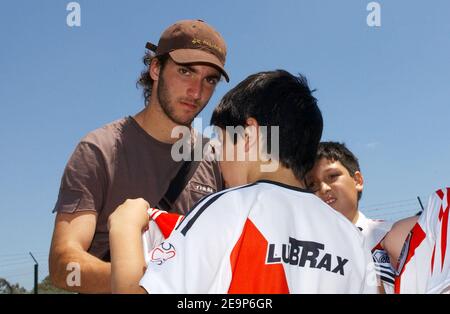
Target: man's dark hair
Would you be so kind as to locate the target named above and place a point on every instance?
(277, 98)
(334, 151)
(145, 81)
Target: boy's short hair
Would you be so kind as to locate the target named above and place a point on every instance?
(277, 98)
(334, 151)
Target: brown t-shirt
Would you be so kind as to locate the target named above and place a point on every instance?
(121, 161)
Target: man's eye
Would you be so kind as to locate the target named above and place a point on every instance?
(212, 80)
(183, 71)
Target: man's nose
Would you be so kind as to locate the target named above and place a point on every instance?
(195, 89)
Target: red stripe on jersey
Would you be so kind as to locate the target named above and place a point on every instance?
(417, 236)
(440, 193)
(250, 274)
(167, 222)
(432, 258)
(378, 246)
(443, 218)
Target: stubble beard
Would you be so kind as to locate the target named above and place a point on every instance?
(168, 106)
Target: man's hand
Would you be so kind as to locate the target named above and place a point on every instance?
(131, 214)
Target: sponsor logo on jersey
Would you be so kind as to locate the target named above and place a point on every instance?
(381, 257)
(383, 266)
(305, 254)
(162, 253)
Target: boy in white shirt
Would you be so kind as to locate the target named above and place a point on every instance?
(337, 179)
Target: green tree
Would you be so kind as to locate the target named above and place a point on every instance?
(46, 287)
(7, 288)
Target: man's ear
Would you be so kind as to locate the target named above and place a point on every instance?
(154, 69)
(359, 181)
(251, 134)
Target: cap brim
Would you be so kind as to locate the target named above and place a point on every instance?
(185, 56)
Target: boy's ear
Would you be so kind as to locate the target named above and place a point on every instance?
(251, 134)
(359, 180)
(154, 69)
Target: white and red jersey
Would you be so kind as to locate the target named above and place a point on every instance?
(160, 227)
(425, 259)
(374, 231)
(264, 237)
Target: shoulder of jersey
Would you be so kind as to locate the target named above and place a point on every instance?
(166, 222)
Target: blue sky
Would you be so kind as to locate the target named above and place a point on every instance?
(384, 91)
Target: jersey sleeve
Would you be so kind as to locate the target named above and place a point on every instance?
(195, 258)
(437, 232)
(160, 226)
(384, 269)
(424, 262)
(84, 181)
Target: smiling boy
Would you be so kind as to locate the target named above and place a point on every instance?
(337, 179)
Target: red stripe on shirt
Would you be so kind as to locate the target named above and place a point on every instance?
(250, 274)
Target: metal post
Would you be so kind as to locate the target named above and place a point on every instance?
(420, 202)
(36, 269)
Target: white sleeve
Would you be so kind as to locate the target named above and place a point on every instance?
(195, 258)
(151, 239)
(438, 240)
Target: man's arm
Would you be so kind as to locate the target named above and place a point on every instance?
(72, 237)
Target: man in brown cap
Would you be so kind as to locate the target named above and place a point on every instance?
(131, 157)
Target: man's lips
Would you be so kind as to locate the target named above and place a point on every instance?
(189, 105)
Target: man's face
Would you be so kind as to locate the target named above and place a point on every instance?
(184, 90)
(332, 182)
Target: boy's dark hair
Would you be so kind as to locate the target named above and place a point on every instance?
(145, 81)
(277, 98)
(335, 151)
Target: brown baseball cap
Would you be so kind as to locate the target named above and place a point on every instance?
(192, 41)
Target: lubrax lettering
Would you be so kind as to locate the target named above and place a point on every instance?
(305, 254)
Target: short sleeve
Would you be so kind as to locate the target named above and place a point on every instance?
(84, 181)
(196, 257)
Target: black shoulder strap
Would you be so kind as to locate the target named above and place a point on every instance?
(180, 181)
(175, 188)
